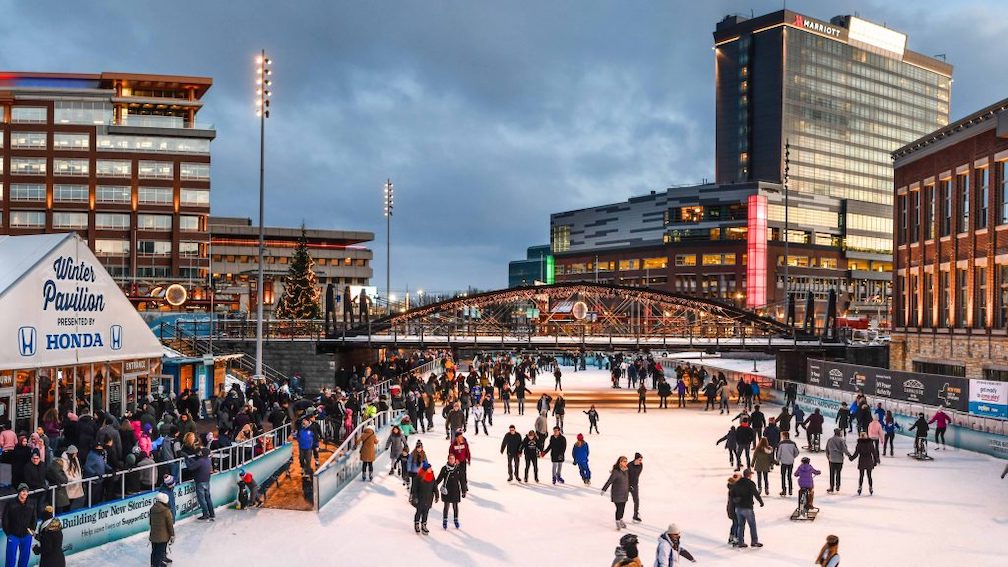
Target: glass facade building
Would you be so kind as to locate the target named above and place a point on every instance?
(832, 101)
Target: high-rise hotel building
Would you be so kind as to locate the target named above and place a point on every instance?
(844, 94)
(119, 158)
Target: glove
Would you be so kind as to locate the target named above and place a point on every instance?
(760, 504)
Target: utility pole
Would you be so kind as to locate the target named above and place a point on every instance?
(787, 235)
(388, 243)
(262, 111)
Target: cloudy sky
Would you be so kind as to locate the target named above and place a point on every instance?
(487, 116)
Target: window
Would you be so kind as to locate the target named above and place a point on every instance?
(901, 205)
(70, 193)
(113, 194)
(70, 220)
(82, 112)
(197, 197)
(155, 195)
(912, 296)
(685, 260)
(112, 221)
(27, 219)
(192, 223)
(962, 298)
(194, 170)
(982, 194)
(70, 167)
(152, 271)
(963, 187)
(28, 140)
(156, 169)
(29, 114)
(980, 299)
(946, 197)
(655, 263)
(944, 306)
(71, 142)
(560, 238)
(112, 247)
(154, 222)
(192, 249)
(27, 192)
(1003, 168)
(943, 369)
(928, 213)
(914, 213)
(154, 248)
(113, 168)
(828, 263)
(687, 214)
(719, 259)
(28, 166)
(1002, 283)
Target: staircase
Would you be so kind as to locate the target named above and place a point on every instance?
(189, 344)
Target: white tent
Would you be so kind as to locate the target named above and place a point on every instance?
(59, 307)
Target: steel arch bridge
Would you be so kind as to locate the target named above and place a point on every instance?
(567, 311)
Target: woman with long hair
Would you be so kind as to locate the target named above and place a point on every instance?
(74, 474)
(620, 481)
(762, 463)
(829, 554)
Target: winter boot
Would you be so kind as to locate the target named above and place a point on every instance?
(416, 527)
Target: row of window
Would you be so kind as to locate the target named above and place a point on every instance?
(105, 221)
(82, 141)
(146, 169)
(107, 194)
(954, 201)
(956, 306)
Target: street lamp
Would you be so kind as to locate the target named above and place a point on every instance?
(263, 83)
(389, 190)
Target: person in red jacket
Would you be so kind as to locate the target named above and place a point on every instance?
(941, 421)
(460, 450)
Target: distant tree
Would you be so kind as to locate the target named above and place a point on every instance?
(301, 296)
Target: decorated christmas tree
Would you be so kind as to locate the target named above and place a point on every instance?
(300, 299)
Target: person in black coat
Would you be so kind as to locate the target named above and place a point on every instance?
(530, 447)
(453, 487)
(50, 538)
(867, 455)
(18, 521)
(34, 475)
(423, 495)
(557, 449)
(634, 470)
(745, 439)
(20, 455)
(512, 443)
(743, 494)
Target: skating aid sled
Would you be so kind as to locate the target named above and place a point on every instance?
(920, 450)
(810, 513)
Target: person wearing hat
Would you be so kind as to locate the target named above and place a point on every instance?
(19, 521)
(806, 474)
(423, 495)
(74, 474)
(829, 553)
(368, 442)
(50, 538)
(580, 454)
(634, 470)
(162, 529)
(416, 458)
(627, 552)
(34, 475)
(168, 488)
(670, 553)
(248, 492)
(733, 532)
(743, 495)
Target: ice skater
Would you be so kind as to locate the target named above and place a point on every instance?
(580, 454)
(592, 419)
(620, 483)
(867, 455)
(557, 450)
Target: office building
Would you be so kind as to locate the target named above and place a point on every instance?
(843, 94)
(120, 159)
(537, 267)
(339, 255)
(951, 261)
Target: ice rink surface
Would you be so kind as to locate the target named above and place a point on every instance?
(922, 513)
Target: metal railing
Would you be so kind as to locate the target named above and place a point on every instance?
(224, 459)
(200, 346)
(374, 391)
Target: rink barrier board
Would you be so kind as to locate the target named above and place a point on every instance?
(991, 444)
(344, 465)
(103, 523)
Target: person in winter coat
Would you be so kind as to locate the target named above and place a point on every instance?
(843, 418)
(455, 419)
(920, 429)
(34, 476)
(201, 469)
(394, 445)
(889, 426)
(829, 554)
(512, 443)
(757, 420)
(787, 452)
(416, 458)
(875, 432)
(557, 449)
(57, 478)
(772, 433)
(664, 391)
(162, 529)
(784, 419)
(627, 552)
(18, 524)
(50, 540)
(814, 428)
(460, 450)
(743, 493)
(453, 486)
(836, 448)
(806, 473)
(731, 444)
(530, 447)
(619, 480)
(867, 455)
(762, 463)
(248, 492)
(642, 397)
(479, 416)
(733, 532)
(423, 495)
(559, 409)
(799, 420)
(941, 421)
(634, 470)
(592, 419)
(368, 443)
(74, 474)
(670, 552)
(580, 454)
(745, 439)
(542, 429)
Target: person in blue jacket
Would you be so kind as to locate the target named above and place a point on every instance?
(201, 467)
(580, 454)
(853, 410)
(168, 487)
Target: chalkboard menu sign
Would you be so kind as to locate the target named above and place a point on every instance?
(114, 393)
(24, 406)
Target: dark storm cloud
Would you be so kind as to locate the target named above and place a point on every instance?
(486, 115)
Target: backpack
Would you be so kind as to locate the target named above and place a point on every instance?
(306, 438)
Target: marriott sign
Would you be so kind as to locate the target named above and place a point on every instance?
(818, 27)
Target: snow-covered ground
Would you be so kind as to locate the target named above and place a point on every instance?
(954, 508)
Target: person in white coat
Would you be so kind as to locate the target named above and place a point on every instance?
(670, 552)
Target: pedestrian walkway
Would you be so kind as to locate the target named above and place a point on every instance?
(288, 492)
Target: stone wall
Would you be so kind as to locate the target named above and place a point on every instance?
(974, 352)
(317, 370)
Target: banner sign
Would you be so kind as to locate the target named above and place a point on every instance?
(988, 398)
(68, 310)
(913, 387)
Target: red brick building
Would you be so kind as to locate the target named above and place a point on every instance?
(951, 239)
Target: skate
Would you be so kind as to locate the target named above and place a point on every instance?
(783, 493)
(757, 544)
(618, 527)
(637, 519)
(740, 545)
(622, 524)
(444, 523)
(423, 528)
(416, 527)
(456, 523)
(560, 479)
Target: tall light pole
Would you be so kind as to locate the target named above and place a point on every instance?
(388, 242)
(263, 82)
